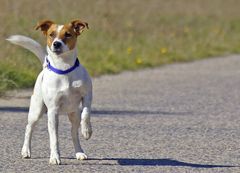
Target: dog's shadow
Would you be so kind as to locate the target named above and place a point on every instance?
(102, 112)
(147, 162)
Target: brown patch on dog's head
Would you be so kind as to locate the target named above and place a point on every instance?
(79, 26)
(70, 31)
(44, 26)
(68, 36)
(48, 28)
(51, 34)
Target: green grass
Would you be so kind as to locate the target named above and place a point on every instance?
(123, 35)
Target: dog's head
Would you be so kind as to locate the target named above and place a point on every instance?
(61, 38)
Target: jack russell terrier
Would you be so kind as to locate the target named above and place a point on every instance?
(63, 86)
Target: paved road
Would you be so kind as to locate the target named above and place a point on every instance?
(176, 118)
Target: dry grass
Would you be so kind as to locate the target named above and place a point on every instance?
(123, 35)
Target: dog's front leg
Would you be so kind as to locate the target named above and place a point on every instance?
(53, 135)
(86, 127)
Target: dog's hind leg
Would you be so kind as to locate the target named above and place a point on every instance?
(36, 110)
(74, 118)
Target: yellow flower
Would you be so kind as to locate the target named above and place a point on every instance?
(129, 50)
(129, 24)
(138, 61)
(110, 52)
(216, 31)
(172, 34)
(163, 50)
(186, 29)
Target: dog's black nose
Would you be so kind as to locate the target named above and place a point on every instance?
(57, 44)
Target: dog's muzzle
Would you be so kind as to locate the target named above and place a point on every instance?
(57, 47)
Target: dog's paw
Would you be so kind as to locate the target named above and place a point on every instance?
(55, 160)
(81, 156)
(86, 129)
(26, 153)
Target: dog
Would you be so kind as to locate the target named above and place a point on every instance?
(63, 86)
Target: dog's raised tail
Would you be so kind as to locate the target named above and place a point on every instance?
(29, 44)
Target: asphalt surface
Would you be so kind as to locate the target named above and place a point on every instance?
(176, 118)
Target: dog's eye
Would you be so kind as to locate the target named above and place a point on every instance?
(52, 34)
(68, 35)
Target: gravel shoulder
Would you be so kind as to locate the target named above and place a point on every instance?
(176, 118)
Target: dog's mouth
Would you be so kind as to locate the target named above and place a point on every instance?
(57, 51)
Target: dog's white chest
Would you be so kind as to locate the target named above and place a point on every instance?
(64, 91)
(68, 100)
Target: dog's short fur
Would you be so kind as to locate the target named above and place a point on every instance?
(56, 93)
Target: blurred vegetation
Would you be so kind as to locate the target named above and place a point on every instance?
(123, 35)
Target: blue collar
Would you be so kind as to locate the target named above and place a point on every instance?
(58, 71)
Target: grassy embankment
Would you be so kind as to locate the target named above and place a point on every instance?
(123, 35)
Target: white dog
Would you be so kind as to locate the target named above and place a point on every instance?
(62, 86)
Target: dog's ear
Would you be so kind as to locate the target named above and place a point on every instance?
(44, 26)
(78, 26)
